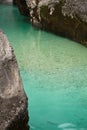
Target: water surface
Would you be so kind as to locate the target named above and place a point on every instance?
(54, 73)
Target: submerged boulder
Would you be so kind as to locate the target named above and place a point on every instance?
(13, 100)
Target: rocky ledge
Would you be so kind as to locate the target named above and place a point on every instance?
(13, 100)
(6, 1)
(63, 17)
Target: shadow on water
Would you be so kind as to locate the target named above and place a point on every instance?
(54, 73)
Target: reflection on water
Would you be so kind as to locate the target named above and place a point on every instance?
(54, 73)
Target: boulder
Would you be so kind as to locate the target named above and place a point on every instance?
(13, 100)
(67, 18)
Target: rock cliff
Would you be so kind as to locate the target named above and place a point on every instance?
(13, 100)
(64, 17)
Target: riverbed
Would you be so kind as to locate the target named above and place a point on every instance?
(53, 71)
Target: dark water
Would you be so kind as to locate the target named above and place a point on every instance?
(54, 73)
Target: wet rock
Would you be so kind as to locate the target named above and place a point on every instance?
(14, 2)
(22, 6)
(13, 100)
(63, 17)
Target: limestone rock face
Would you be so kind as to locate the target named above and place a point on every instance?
(63, 17)
(13, 101)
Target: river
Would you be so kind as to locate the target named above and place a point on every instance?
(53, 71)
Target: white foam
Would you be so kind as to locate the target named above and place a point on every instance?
(65, 125)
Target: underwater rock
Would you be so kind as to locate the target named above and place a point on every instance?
(13, 100)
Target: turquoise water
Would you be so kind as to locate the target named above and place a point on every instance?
(54, 73)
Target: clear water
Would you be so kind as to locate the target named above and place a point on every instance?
(54, 74)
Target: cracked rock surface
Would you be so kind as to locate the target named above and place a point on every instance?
(13, 100)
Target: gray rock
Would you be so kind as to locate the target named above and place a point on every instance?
(63, 17)
(13, 100)
(67, 18)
